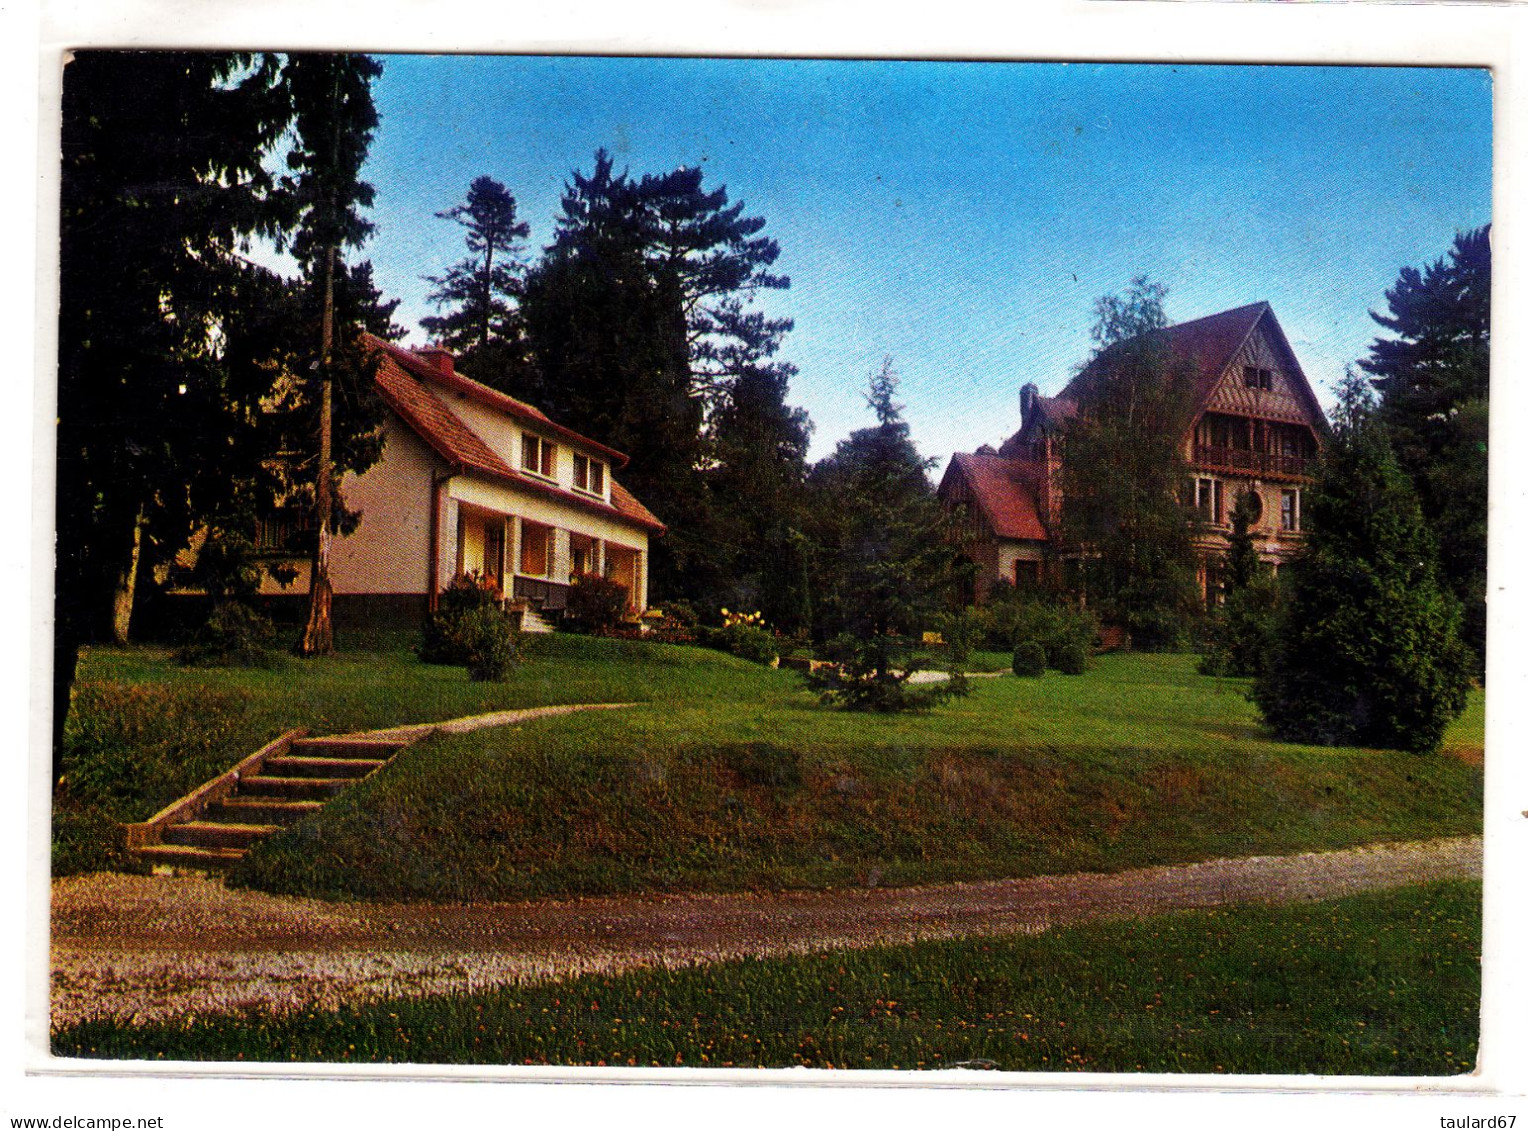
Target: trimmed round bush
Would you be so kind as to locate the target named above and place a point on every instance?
(1029, 658)
(1069, 657)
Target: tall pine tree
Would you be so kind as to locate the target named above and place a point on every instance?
(333, 120)
(1433, 377)
(479, 294)
(638, 317)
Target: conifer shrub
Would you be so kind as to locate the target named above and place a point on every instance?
(1241, 636)
(235, 634)
(1063, 631)
(445, 641)
(961, 631)
(1369, 653)
(873, 675)
(747, 641)
(1244, 635)
(490, 647)
(742, 635)
(1029, 658)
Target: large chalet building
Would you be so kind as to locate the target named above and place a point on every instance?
(1255, 428)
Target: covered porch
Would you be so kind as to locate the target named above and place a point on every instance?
(538, 562)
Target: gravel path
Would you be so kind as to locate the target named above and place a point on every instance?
(144, 948)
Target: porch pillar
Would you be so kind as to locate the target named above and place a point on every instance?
(639, 570)
(512, 547)
(450, 550)
(504, 558)
(560, 555)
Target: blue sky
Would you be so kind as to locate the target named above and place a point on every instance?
(962, 217)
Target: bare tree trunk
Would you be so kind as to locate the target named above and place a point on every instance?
(127, 586)
(318, 634)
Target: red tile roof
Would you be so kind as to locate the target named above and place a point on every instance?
(476, 390)
(405, 382)
(437, 425)
(1006, 493)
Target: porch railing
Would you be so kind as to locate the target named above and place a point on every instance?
(549, 596)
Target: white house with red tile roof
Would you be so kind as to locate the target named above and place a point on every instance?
(1256, 427)
(472, 482)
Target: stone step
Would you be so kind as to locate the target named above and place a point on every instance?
(260, 811)
(346, 747)
(187, 856)
(217, 834)
(302, 788)
(532, 621)
(304, 766)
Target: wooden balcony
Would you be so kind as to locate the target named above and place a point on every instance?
(1259, 463)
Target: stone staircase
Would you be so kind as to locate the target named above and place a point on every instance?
(533, 621)
(281, 783)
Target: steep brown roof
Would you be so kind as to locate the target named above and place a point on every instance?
(1005, 491)
(436, 424)
(1207, 346)
(628, 506)
(407, 390)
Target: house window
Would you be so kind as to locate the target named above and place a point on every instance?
(1210, 500)
(1026, 575)
(588, 475)
(1289, 510)
(538, 455)
(284, 530)
(1255, 377)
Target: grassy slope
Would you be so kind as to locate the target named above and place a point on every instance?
(731, 776)
(1386, 983)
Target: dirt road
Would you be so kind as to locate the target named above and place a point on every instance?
(145, 948)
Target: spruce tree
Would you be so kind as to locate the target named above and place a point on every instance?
(1369, 651)
(886, 561)
(1433, 376)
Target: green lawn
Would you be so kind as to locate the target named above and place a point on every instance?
(1380, 984)
(731, 776)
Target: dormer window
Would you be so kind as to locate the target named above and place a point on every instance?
(1255, 377)
(537, 455)
(589, 475)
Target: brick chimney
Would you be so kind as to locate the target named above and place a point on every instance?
(438, 358)
(1028, 396)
